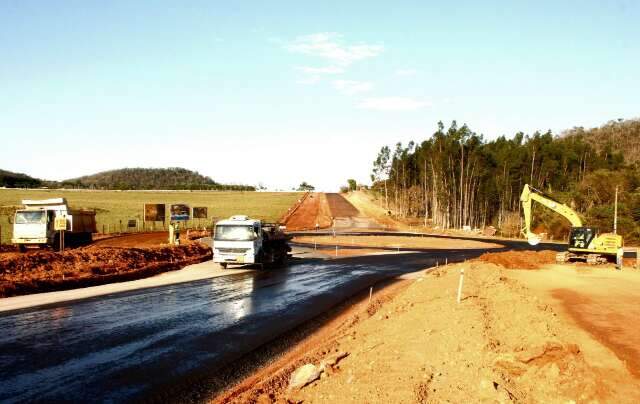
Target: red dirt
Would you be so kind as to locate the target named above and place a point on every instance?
(608, 319)
(43, 271)
(520, 259)
(313, 210)
(340, 207)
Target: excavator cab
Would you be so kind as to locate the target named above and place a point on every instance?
(581, 237)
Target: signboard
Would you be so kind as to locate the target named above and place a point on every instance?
(154, 212)
(60, 223)
(200, 212)
(132, 223)
(180, 212)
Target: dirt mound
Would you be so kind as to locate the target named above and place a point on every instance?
(45, 271)
(311, 210)
(520, 259)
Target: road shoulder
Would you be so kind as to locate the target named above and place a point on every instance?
(421, 346)
(190, 273)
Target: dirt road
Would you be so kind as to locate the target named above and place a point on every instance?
(392, 242)
(134, 240)
(603, 302)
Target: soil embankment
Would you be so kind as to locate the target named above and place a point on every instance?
(44, 271)
(502, 343)
(311, 211)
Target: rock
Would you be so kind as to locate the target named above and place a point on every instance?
(509, 364)
(304, 375)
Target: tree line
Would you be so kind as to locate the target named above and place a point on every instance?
(456, 178)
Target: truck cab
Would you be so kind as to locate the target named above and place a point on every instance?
(32, 226)
(237, 240)
(241, 240)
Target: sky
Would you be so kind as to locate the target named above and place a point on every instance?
(281, 92)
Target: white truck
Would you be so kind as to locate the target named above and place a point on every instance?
(241, 240)
(34, 225)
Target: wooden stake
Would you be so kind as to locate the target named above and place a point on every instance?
(460, 285)
(370, 293)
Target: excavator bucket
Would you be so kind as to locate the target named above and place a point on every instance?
(533, 239)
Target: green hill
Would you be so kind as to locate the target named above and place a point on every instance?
(18, 180)
(150, 178)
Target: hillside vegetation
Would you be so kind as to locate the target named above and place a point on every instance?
(457, 178)
(10, 179)
(621, 136)
(174, 178)
(151, 178)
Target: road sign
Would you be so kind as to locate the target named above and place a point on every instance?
(180, 212)
(154, 212)
(60, 223)
(200, 212)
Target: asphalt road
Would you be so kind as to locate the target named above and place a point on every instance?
(127, 346)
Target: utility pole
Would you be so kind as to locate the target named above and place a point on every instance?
(615, 213)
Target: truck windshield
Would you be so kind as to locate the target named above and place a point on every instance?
(234, 233)
(26, 217)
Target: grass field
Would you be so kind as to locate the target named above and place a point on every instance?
(115, 206)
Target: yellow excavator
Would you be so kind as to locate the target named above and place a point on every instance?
(585, 244)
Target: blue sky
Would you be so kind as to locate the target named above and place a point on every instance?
(281, 92)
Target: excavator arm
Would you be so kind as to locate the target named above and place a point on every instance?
(528, 196)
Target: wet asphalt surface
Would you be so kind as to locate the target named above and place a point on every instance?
(127, 346)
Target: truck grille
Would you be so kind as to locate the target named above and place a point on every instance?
(239, 251)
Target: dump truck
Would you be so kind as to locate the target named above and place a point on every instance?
(585, 243)
(33, 226)
(242, 240)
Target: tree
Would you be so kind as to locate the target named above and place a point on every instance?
(305, 187)
(352, 184)
(381, 170)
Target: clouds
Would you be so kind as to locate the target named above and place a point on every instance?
(329, 46)
(337, 57)
(351, 87)
(393, 104)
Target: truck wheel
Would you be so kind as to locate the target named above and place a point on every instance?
(282, 260)
(260, 259)
(224, 265)
(22, 248)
